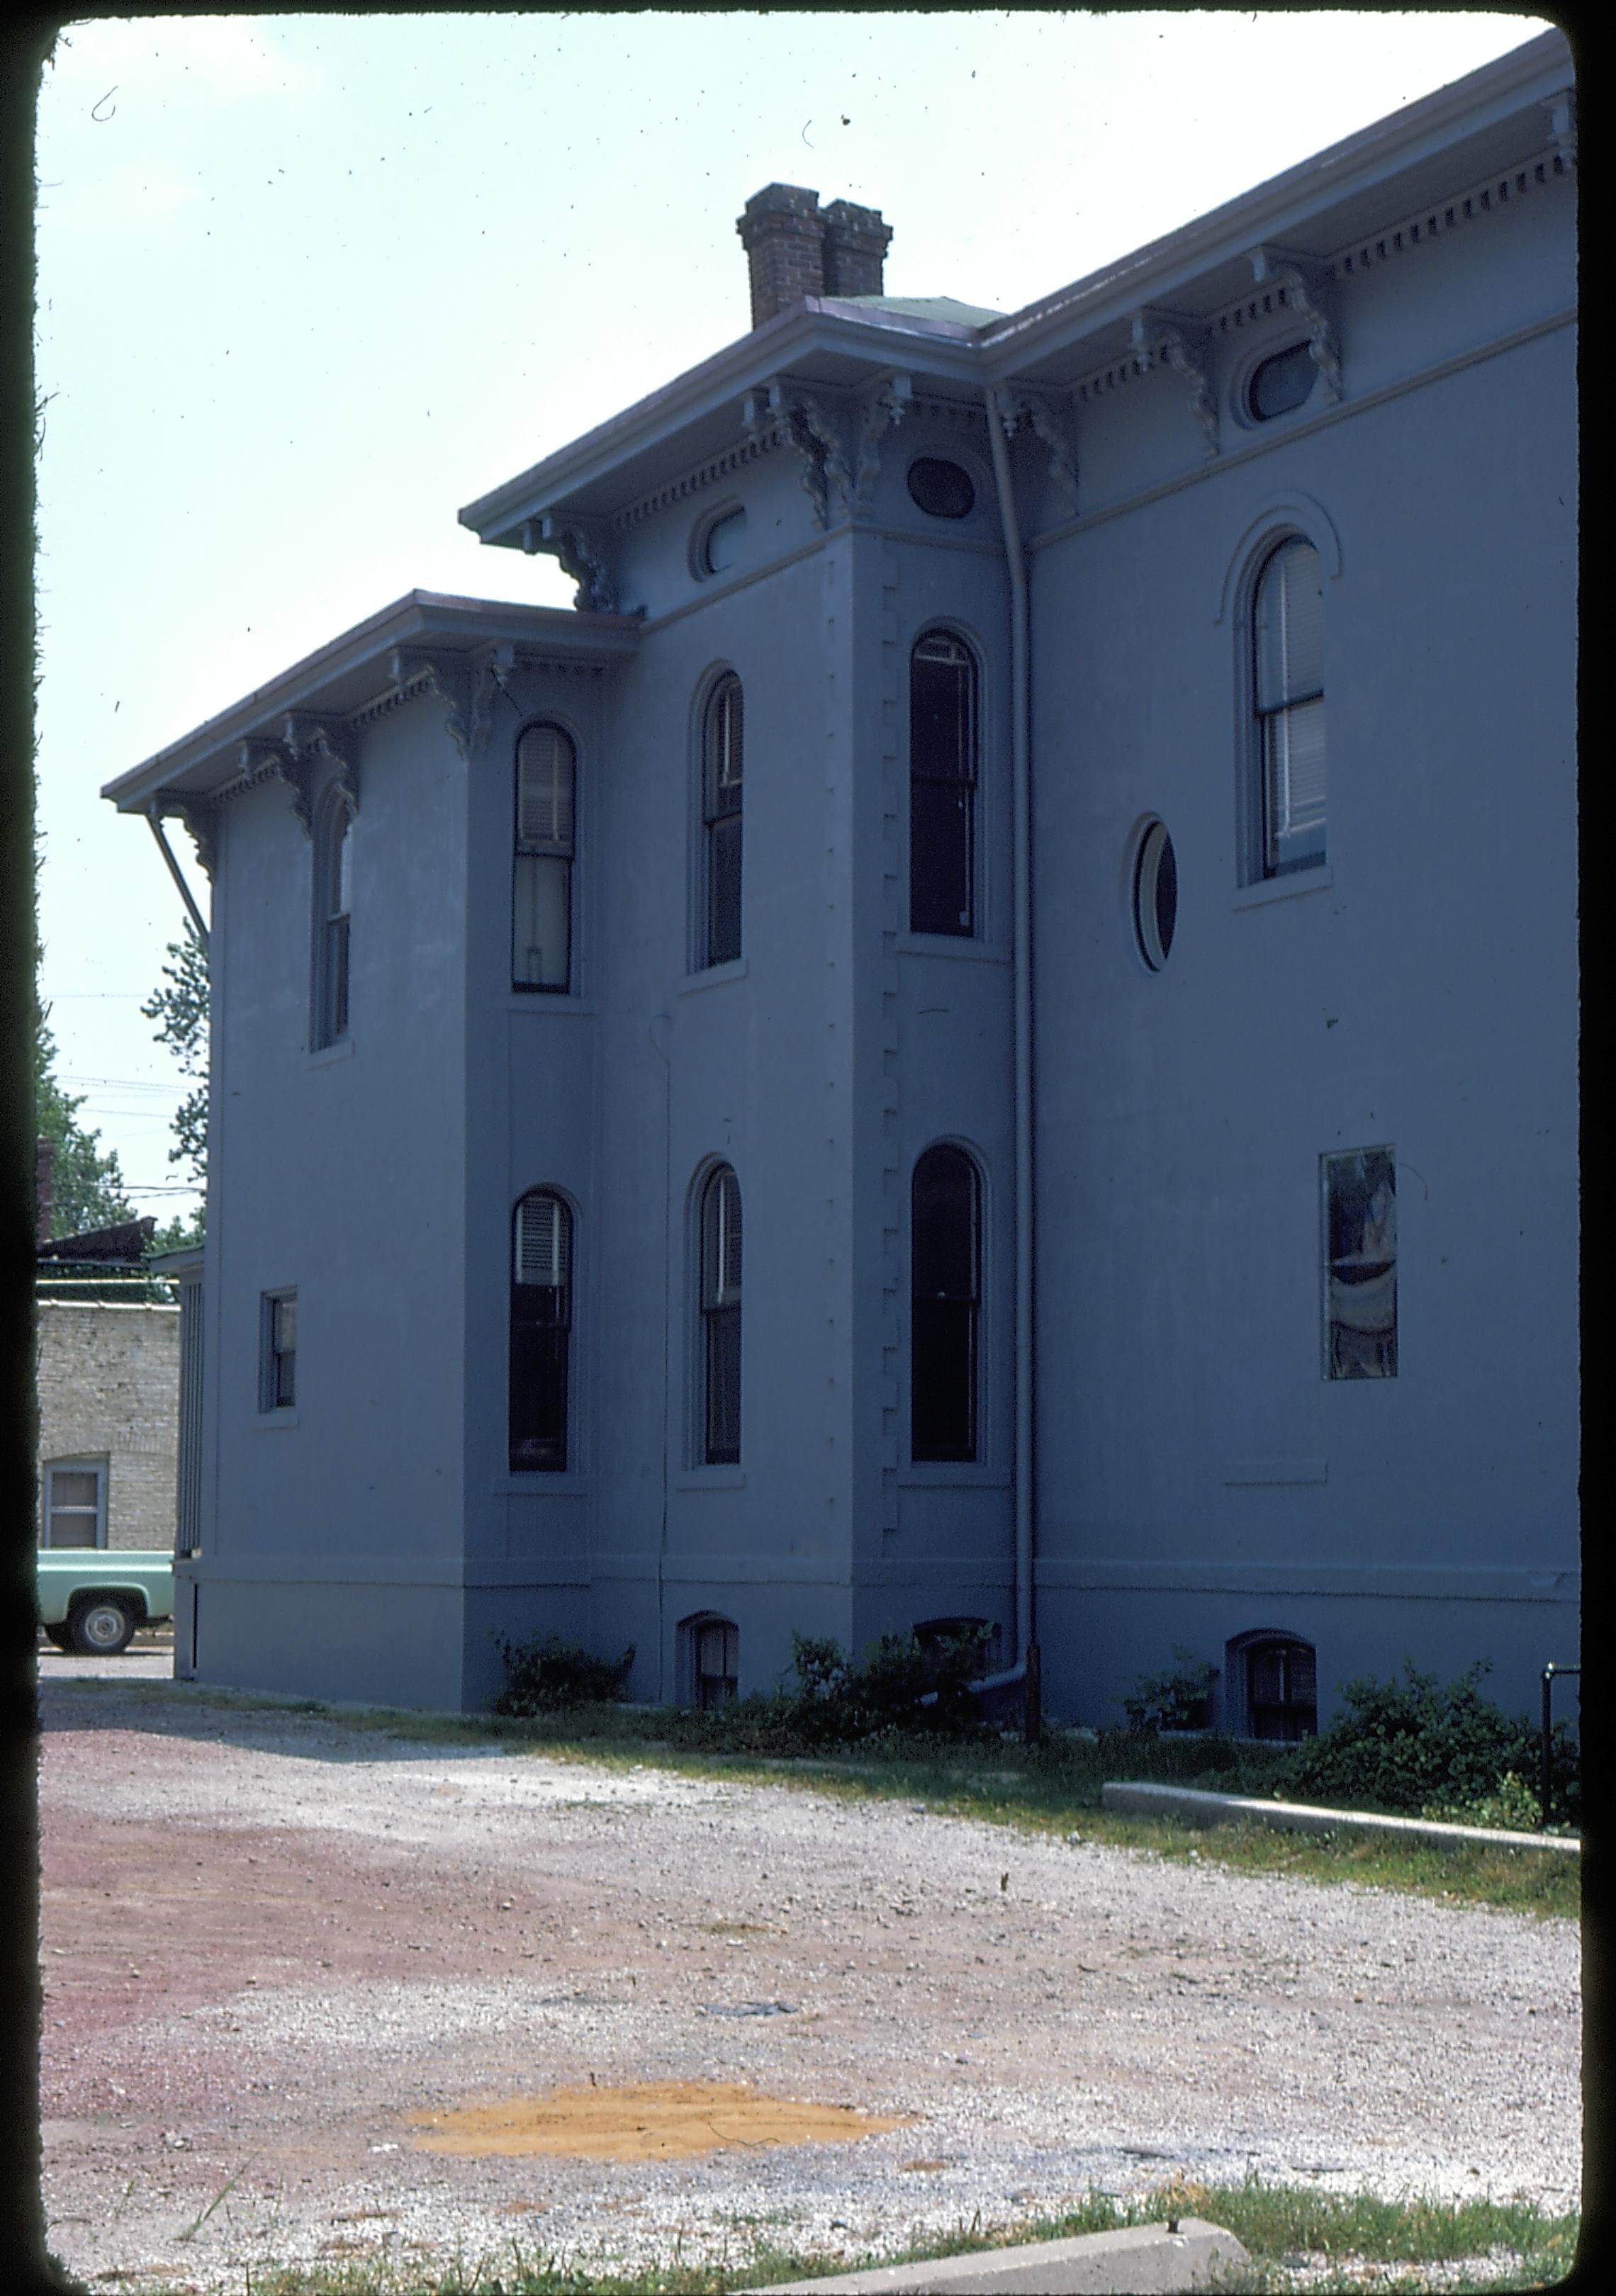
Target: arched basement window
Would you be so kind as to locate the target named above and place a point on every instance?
(945, 1284)
(541, 1331)
(541, 908)
(1288, 643)
(721, 1319)
(715, 1651)
(1281, 1692)
(942, 785)
(721, 766)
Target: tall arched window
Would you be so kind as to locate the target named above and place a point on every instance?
(721, 1319)
(541, 908)
(1288, 649)
(541, 1331)
(333, 895)
(721, 760)
(945, 1278)
(942, 786)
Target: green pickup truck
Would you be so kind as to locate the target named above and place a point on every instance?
(92, 1598)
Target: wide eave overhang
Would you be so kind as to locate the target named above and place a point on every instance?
(1490, 122)
(356, 670)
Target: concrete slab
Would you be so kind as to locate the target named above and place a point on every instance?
(1151, 2260)
(1198, 1808)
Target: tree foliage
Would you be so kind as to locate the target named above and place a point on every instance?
(87, 1186)
(179, 1005)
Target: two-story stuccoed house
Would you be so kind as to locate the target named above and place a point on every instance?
(987, 1031)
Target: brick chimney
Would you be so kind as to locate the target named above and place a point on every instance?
(782, 233)
(45, 1152)
(796, 248)
(855, 244)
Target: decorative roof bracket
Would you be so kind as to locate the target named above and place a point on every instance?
(1306, 284)
(1033, 408)
(310, 739)
(260, 756)
(881, 413)
(579, 545)
(805, 425)
(1162, 339)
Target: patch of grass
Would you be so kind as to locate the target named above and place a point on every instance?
(1286, 2229)
(1050, 1789)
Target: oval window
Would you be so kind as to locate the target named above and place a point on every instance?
(1155, 895)
(941, 489)
(722, 545)
(1281, 382)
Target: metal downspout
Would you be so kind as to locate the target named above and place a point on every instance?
(1022, 776)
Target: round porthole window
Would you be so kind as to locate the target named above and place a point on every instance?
(1155, 895)
(721, 542)
(941, 489)
(1280, 383)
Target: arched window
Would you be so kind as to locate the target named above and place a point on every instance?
(721, 761)
(1276, 1675)
(942, 786)
(541, 907)
(945, 1287)
(541, 1331)
(721, 1319)
(713, 1647)
(333, 895)
(1288, 684)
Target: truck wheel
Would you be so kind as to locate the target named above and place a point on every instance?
(102, 1626)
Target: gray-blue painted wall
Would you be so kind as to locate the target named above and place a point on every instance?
(1196, 1477)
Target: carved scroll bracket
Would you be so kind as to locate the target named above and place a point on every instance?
(1161, 339)
(579, 545)
(808, 427)
(1561, 111)
(257, 757)
(202, 827)
(1306, 285)
(316, 743)
(426, 676)
(887, 408)
(1043, 419)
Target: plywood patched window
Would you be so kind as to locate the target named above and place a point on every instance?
(1360, 1263)
(334, 906)
(722, 761)
(945, 1262)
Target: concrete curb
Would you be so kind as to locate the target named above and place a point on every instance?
(1198, 1808)
(1143, 2261)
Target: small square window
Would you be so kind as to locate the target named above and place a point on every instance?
(1360, 1265)
(278, 1352)
(75, 1503)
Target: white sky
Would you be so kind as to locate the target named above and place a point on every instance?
(308, 283)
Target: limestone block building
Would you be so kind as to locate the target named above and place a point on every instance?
(986, 1031)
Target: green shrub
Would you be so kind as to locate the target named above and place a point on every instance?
(542, 1677)
(1176, 1698)
(1408, 1746)
(1515, 1807)
(901, 1685)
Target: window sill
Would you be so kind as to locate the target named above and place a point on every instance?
(266, 1420)
(546, 1000)
(341, 1049)
(711, 1478)
(713, 976)
(955, 945)
(948, 1475)
(1280, 888)
(541, 1483)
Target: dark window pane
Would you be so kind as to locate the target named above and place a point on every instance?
(945, 1260)
(1281, 382)
(723, 1432)
(541, 1317)
(724, 891)
(1360, 1280)
(941, 489)
(942, 776)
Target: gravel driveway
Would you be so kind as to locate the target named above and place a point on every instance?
(275, 1946)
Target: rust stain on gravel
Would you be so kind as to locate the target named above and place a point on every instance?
(644, 2121)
